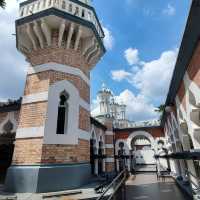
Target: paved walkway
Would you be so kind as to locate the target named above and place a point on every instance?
(146, 187)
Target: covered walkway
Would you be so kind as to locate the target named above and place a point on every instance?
(147, 187)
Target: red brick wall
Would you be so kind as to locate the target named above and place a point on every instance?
(194, 66)
(124, 134)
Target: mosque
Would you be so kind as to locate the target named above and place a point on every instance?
(49, 133)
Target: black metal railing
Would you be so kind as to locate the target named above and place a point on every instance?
(194, 182)
(114, 186)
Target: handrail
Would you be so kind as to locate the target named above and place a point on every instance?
(192, 183)
(121, 178)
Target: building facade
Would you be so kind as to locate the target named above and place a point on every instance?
(181, 120)
(62, 41)
(49, 134)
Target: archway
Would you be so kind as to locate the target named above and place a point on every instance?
(142, 145)
(7, 137)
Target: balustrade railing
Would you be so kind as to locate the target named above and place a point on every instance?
(71, 7)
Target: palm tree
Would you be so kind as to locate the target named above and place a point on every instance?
(2, 3)
(160, 110)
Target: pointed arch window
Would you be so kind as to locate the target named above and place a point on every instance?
(62, 120)
(63, 5)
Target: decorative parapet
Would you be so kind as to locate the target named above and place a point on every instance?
(72, 7)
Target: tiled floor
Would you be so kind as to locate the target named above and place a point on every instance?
(146, 187)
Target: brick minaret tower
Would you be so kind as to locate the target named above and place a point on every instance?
(62, 41)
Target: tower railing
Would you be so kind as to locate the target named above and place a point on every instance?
(75, 8)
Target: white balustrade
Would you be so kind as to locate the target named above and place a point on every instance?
(64, 5)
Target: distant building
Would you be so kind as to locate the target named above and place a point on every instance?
(109, 107)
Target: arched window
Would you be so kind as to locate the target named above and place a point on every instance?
(70, 8)
(62, 119)
(8, 127)
(76, 11)
(44, 4)
(63, 5)
(83, 13)
(38, 6)
(22, 12)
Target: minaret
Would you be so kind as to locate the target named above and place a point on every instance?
(113, 108)
(104, 96)
(122, 108)
(62, 41)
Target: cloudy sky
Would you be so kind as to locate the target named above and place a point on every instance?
(142, 41)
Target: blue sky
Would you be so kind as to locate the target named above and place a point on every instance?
(142, 40)
(150, 27)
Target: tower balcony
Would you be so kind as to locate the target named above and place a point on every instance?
(73, 7)
(70, 25)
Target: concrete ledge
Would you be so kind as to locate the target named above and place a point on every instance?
(62, 193)
(47, 178)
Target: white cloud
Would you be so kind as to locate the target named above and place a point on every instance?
(151, 78)
(109, 39)
(131, 55)
(154, 77)
(12, 63)
(138, 109)
(119, 75)
(170, 10)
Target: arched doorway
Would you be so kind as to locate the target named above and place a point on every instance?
(142, 145)
(100, 160)
(6, 148)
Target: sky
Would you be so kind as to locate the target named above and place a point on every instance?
(142, 41)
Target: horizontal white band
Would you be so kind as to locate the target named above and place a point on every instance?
(58, 67)
(43, 96)
(84, 135)
(110, 160)
(37, 97)
(109, 133)
(84, 104)
(109, 146)
(34, 132)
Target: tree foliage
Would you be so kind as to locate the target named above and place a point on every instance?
(2, 3)
(160, 109)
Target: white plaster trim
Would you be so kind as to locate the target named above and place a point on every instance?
(43, 96)
(109, 146)
(84, 135)
(139, 133)
(72, 131)
(58, 67)
(191, 85)
(109, 133)
(179, 106)
(110, 160)
(34, 132)
(84, 104)
(31, 132)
